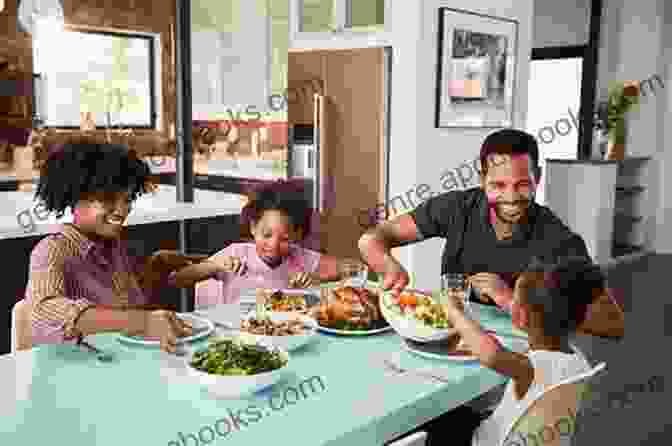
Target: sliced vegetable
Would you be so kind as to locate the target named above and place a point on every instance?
(408, 299)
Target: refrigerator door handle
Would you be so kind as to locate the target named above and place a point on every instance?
(318, 190)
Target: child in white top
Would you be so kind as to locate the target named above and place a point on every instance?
(549, 303)
(278, 217)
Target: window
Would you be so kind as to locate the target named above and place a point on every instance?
(554, 99)
(108, 74)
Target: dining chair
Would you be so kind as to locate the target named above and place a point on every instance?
(549, 412)
(489, 401)
(21, 328)
(415, 439)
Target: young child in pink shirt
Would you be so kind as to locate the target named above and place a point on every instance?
(278, 218)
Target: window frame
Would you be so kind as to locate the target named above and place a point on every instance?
(589, 54)
(152, 77)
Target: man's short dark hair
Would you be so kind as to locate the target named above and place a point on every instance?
(510, 142)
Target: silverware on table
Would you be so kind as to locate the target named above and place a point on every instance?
(101, 355)
(419, 372)
(181, 351)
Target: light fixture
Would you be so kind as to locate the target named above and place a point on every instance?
(32, 12)
(2, 5)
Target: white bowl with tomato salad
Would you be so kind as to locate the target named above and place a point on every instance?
(417, 316)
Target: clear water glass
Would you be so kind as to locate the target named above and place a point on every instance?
(455, 284)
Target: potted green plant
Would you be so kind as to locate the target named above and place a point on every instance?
(622, 97)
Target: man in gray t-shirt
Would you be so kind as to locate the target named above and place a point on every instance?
(492, 232)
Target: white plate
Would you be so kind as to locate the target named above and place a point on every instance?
(203, 327)
(354, 332)
(312, 297)
(248, 298)
(433, 350)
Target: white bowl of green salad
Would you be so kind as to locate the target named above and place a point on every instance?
(237, 366)
(417, 316)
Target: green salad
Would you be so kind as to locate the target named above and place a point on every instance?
(233, 358)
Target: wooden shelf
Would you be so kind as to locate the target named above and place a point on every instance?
(620, 249)
(628, 218)
(629, 190)
(635, 159)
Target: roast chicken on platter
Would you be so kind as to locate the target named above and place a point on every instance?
(348, 308)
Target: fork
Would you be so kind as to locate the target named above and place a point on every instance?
(101, 355)
(419, 372)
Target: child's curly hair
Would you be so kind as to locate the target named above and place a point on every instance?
(562, 292)
(81, 167)
(286, 196)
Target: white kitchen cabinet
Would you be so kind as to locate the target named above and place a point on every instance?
(339, 24)
(239, 56)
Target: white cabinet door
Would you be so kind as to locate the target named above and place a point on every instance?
(329, 24)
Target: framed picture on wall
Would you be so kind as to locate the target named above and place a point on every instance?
(476, 70)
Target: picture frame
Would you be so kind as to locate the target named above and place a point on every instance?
(476, 70)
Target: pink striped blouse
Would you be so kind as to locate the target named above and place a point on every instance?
(69, 273)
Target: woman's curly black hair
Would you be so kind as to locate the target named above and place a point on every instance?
(286, 196)
(563, 291)
(82, 167)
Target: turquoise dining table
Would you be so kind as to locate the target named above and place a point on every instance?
(337, 392)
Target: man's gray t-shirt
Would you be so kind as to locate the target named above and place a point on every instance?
(462, 219)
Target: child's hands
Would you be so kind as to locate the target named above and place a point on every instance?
(230, 264)
(301, 280)
(452, 302)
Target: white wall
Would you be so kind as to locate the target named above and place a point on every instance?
(420, 153)
(662, 237)
(560, 23)
(632, 47)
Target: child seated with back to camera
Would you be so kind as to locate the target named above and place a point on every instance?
(278, 218)
(549, 303)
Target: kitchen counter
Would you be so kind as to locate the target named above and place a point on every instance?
(246, 169)
(20, 217)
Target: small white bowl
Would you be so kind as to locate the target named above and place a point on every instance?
(411, 328)
(290, 342)
(235, 387)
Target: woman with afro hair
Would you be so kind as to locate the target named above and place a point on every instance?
(81, 279)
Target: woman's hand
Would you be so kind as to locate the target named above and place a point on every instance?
(166, 327)
(172, 260)
(301, 280)
(229, 264)
(165, 262)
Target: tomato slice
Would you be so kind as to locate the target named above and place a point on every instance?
(407, 299)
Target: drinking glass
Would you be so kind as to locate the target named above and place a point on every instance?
(455, 284)
(353, 272)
